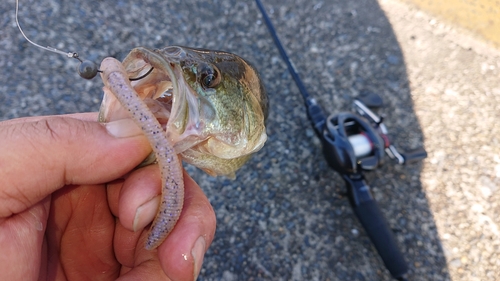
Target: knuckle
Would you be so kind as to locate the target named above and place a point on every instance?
(62, 130)
(205, 214)
(13, 201)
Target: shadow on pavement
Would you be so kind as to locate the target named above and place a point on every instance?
(291, 221)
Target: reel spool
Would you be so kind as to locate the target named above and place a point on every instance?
(352, 144)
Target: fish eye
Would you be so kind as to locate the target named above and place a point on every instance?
(209, 76)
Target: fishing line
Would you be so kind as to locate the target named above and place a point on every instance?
(87, 69)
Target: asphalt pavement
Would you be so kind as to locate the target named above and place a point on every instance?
(286, 217)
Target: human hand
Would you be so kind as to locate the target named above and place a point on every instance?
(59, 220)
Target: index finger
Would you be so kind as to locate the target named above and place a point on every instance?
(39, 156)
(85, 116)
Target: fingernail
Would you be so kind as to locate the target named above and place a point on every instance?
(123, 128)
(146, 213)
(198, 252)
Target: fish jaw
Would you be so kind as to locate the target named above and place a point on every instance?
(164, 90)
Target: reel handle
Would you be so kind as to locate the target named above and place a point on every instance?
(373, 221)
(414, 155)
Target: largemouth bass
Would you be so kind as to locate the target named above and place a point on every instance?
(208, 107)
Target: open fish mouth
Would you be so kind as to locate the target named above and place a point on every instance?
(211, 104)
(158, 80)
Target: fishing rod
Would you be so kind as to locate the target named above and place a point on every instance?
(354, 143)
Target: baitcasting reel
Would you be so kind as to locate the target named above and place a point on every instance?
(356, 142)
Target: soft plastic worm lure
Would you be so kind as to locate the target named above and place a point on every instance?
(117, 82)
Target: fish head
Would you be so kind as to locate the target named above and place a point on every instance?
(211, 104)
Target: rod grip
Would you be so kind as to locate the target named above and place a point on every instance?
(381, 235)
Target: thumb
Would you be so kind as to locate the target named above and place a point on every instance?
(38, 157)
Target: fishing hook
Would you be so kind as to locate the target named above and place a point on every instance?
(142, 76)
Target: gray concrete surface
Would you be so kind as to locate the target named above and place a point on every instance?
(284, 217)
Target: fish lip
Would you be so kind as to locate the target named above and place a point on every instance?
(157, 62)
(183, 127)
